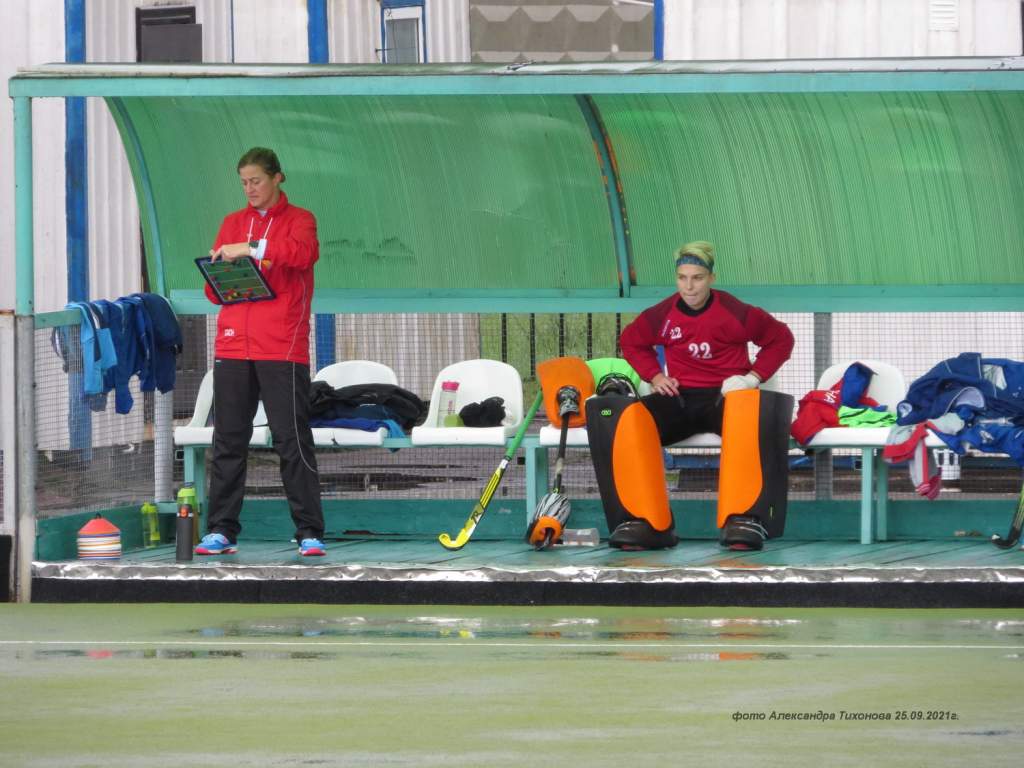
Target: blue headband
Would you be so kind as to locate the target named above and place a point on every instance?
(689, 258)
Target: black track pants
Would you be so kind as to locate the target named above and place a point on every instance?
(238, 386)
(700, 411)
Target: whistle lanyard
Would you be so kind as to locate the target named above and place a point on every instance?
(252, 222)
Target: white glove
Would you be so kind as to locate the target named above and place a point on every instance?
(746, 381)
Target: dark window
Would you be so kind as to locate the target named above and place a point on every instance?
(168, 35)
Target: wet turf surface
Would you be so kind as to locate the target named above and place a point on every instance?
(191, 685)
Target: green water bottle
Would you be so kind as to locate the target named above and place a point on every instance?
(187, 495)
(150, 526)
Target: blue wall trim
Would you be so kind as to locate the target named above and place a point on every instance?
(76, 215)
(319, 53)
(317, 32)
(76, 180)
(659, 30)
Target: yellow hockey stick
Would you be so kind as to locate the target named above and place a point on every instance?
(492, 485)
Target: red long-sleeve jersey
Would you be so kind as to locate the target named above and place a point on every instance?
(276, 329)
(706, 347)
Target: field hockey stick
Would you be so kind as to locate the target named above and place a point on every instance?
(1015, 527)
(563, 439)
(492, 485)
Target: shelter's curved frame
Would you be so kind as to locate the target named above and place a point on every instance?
(856, 185)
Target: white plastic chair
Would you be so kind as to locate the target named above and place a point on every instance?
(349, 372)
(478, 380)
(345, 374)
(887, 386)
(199, 430)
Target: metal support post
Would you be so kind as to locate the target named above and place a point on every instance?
(822, 360)
(25, 442)
(24, 353)
(163, 446)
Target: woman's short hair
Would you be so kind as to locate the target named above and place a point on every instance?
(699, 250)
(264, 158)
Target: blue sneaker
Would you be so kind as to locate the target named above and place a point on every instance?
(312, 548)
(215, 544)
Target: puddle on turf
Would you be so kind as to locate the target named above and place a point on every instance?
(640, 630)
(163, 654)
(634, 639)
(101, 654)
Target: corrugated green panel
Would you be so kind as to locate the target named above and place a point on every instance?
(410, 192)
(825, 188)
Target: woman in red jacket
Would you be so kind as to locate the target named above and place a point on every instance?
(705, 335)
(262, 352)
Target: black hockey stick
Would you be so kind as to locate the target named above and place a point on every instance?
(554, 508)
(1015, 527)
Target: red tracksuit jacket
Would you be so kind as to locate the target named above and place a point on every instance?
(706, 348)
(276, 329)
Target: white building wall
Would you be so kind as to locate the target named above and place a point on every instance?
(271, 31)
(447, 31)
(33, 38)
(808, 29)
(354, 31)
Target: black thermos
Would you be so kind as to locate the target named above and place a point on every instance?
(184, 524)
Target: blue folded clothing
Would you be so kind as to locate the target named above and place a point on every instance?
(365, 425)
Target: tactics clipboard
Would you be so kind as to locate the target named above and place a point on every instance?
(235, 281)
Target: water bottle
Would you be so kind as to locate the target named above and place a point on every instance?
(447, 416)
(580, 537)
(150, 525)
(187, 495)
(184, 529)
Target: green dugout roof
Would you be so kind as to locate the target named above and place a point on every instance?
(823, 184)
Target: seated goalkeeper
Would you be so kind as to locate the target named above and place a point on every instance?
(705, 334)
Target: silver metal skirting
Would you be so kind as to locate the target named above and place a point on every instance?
(487, 574)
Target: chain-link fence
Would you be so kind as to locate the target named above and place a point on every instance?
(92, 458)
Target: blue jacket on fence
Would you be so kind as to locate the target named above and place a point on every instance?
(120, 316)
(98, 353)
(135, 335)
(165, 343)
